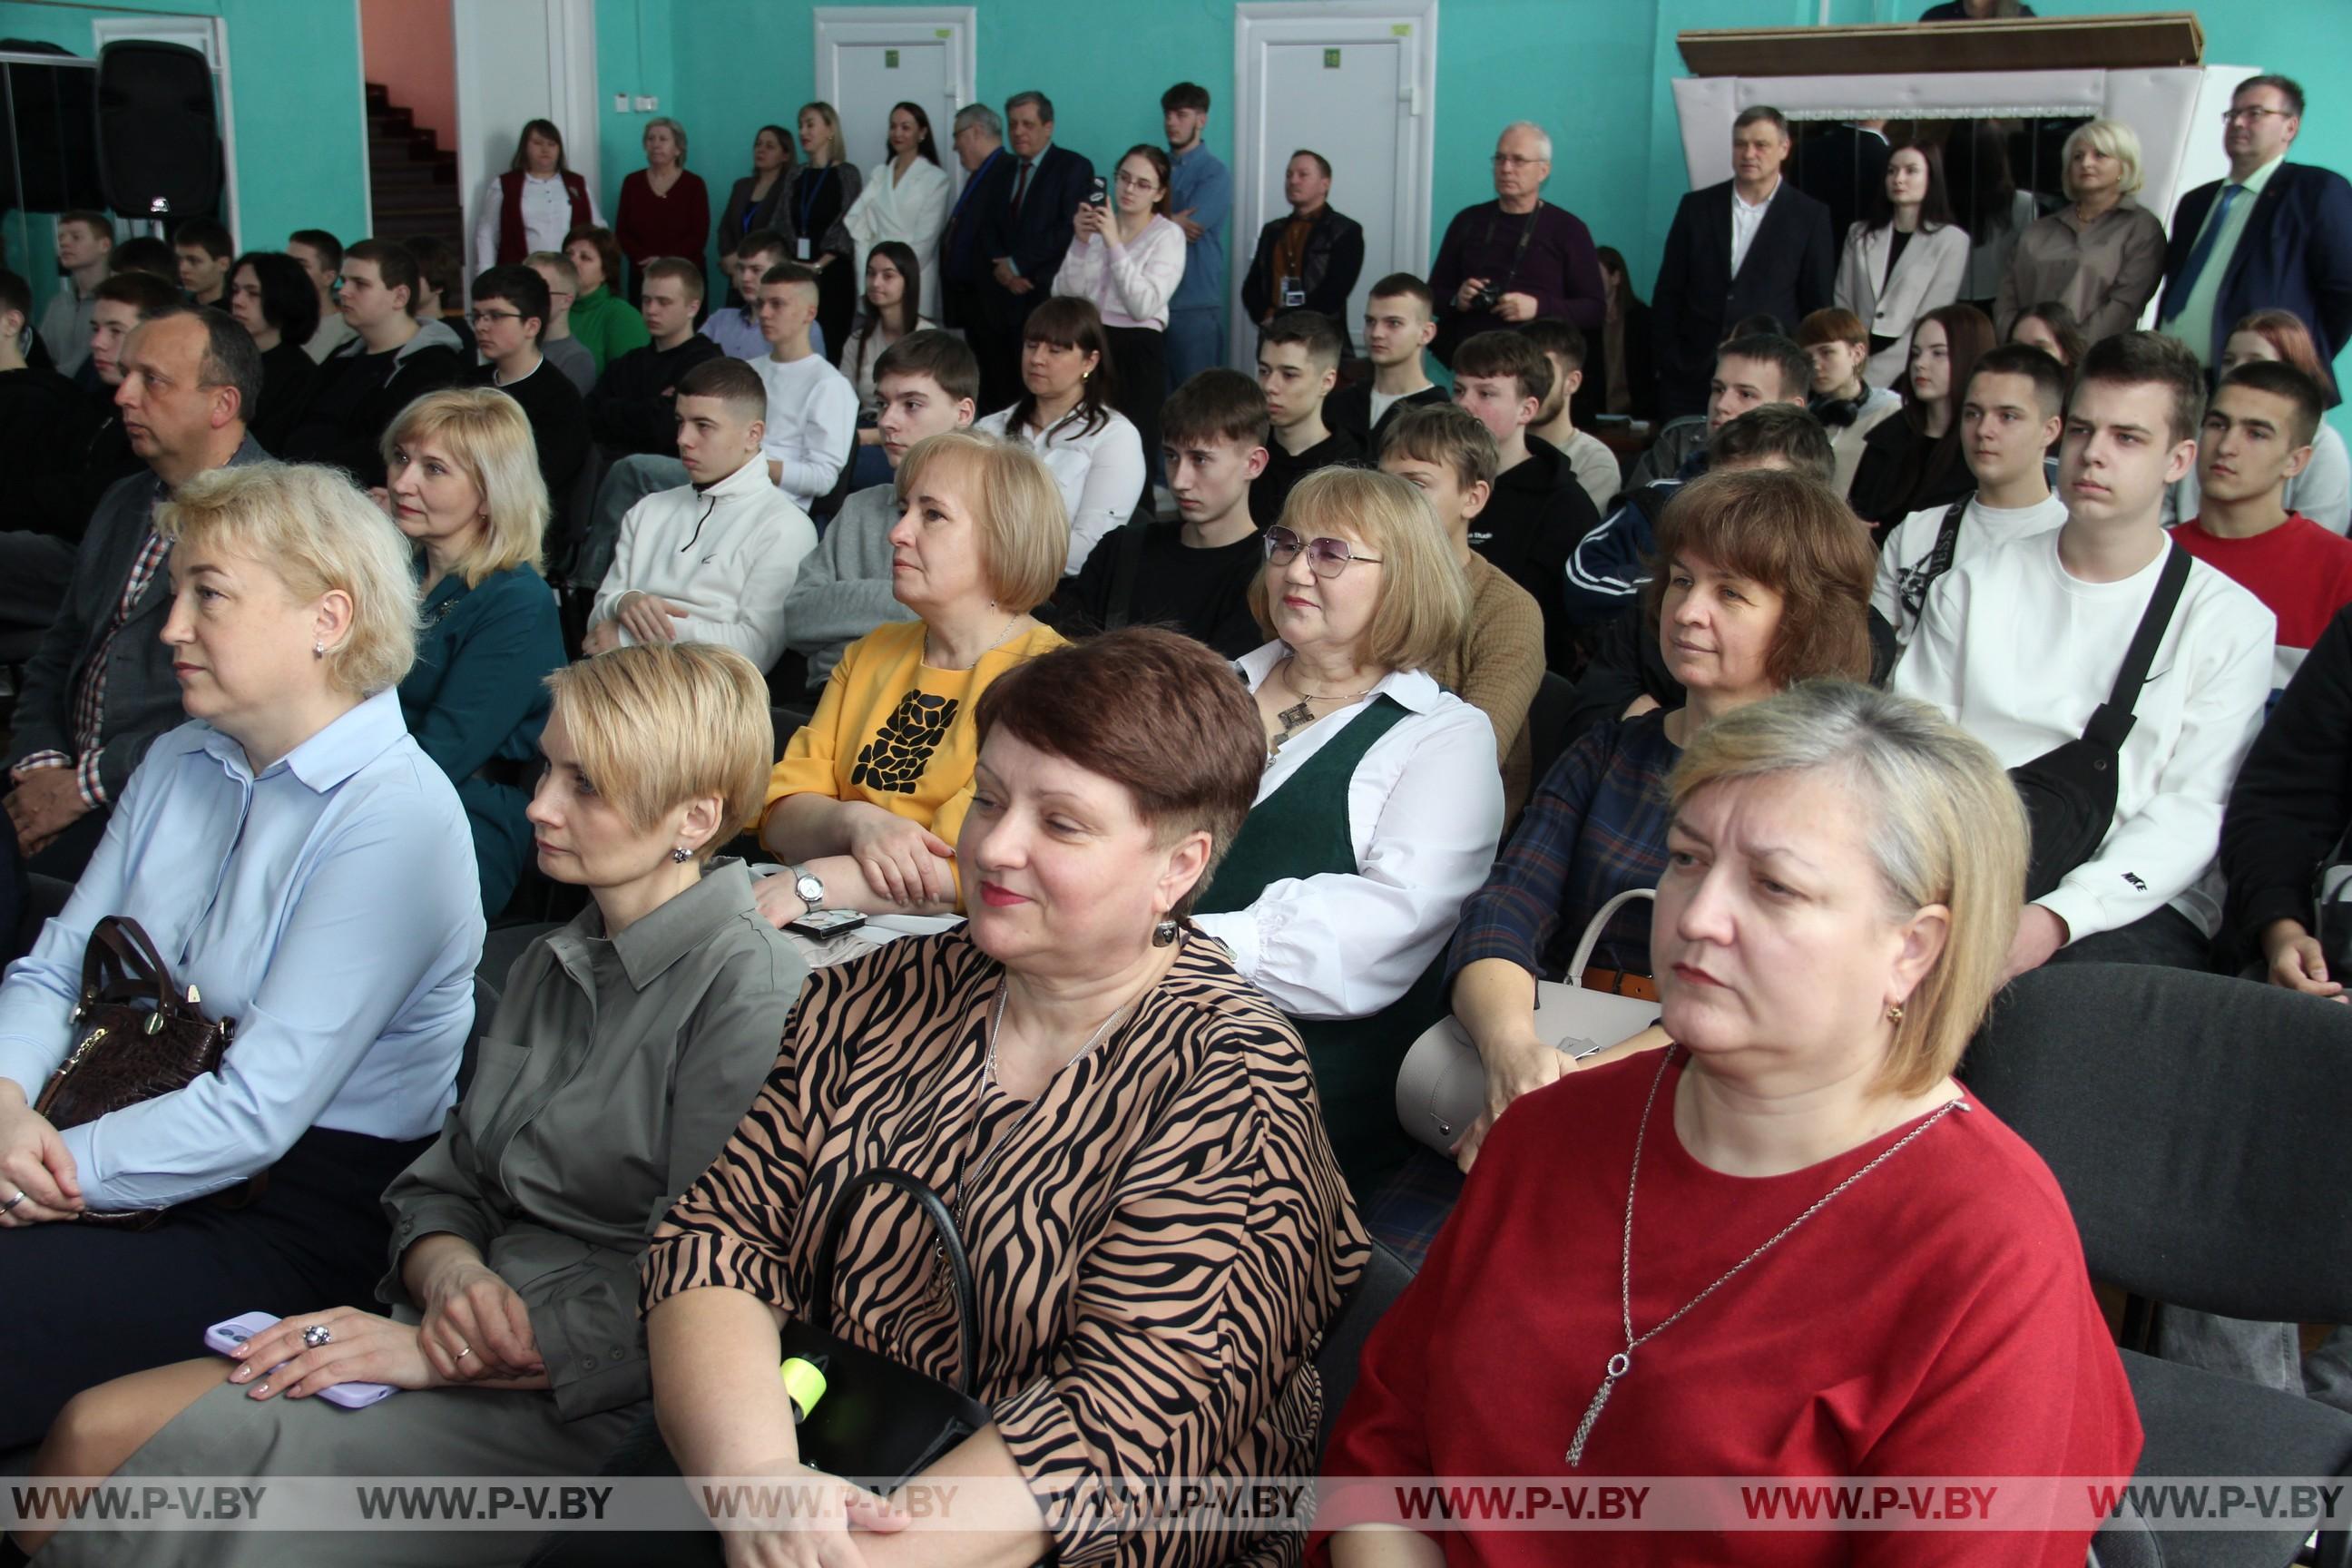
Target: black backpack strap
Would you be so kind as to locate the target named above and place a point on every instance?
(2113, 720)
(1919, 579)
(1126, 567)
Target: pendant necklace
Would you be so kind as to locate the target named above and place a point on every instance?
(1301, 714)
(1623, 1362)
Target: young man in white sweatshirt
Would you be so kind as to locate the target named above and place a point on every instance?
(2021, 644)
(2012, 411)
(713, 560)
(812, 407)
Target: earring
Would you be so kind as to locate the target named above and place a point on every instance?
(1894, 1013)
(319, 649)
(1165, 933)
(680, 855)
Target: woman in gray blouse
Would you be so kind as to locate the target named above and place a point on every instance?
(627, 1048)
(2102, 254)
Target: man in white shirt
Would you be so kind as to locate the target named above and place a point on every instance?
(713, 560)
(1400, 323)
(85, 246)
(1589, 457)
(812, 407)
(2022, 645)
(2010, 412)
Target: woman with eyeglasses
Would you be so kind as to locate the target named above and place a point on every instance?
(1380, 805)
(1129, 257)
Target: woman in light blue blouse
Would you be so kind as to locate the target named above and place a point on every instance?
(298, 860)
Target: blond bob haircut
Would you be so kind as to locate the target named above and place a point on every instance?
(663, 122)
(657, 725)
(317, 533)
(2114, 138)
(1424, 602)
(1025, 530)
(823, 110)
(488, 436)
(1943, 826)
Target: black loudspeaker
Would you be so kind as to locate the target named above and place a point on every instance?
(158, 136)
(48, 137)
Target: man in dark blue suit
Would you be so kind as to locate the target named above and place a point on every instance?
(1024, 232)
(1754, 245)
(980, 147)
(2274, 235)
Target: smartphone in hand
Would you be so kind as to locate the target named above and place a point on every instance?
(225, 1337)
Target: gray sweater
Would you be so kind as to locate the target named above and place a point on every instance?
(843, 591)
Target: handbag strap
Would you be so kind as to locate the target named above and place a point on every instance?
(119, 945)
(1939, 558)
(950, 1244)
(2113, 720)
(1593, 928)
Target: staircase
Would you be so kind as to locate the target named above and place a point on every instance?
(413, 181)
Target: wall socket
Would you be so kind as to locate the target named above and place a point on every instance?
(647, 103)
(620, 103)
(643, 103)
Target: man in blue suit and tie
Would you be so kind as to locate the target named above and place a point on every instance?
(1024, 227)
(2273, 235)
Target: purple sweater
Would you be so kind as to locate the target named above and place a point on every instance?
(1559, 266)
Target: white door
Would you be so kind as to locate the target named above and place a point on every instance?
(1355, 81)
(869, 58)
(520, 60)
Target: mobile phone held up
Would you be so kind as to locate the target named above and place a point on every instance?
(226, 1337)
(1100, 196)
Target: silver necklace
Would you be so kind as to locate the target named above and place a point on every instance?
(983, 652)
(988, 1080)
(1623, 1362)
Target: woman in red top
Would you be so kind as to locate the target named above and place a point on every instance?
(664, 210)
(1842, 875)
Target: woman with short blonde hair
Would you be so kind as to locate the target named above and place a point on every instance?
(2101, 256)
(654, 731)
(306, 874)
(1382, 800)
(462, 482)
(1846, 870)
(871, 794)
(819, 193)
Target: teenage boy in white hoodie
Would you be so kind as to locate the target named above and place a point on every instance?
(712, 560)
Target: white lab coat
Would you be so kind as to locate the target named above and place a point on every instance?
(912, 208)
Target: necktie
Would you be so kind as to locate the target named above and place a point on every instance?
(1020, 187)
(2202, 251)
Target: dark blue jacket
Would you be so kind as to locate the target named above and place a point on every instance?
(2294, 254)
(1037, 239)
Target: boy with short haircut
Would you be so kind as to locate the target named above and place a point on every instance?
(85, 249)
(1849, 407)
(1448, 453)
(2011, 412)
(633, 409)
(203, 250)
(812, 407)
(1400, 320)
(2257, 435)
(2022, 645)
(1536, 511)
(1196, 575)
(715, 559)
(510, 310)
(321, 255)
(929, 382)
(1297, 366)
(736, 328)
(1594, 465)
(363, 388)
(564, 352)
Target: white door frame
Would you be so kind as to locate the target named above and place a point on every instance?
(208, 36)
(570, 68)
(956, 27)
(1419, 103)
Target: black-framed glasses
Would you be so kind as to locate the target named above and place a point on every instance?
(490, 317)
(1325, 557)
(2250, 116)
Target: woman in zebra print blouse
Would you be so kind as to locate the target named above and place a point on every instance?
(1127, 1131)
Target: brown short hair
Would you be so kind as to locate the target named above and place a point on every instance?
(764, 241)
(1557, 340)
(942, 356)
(1217, 404)
(732, 382)
(395, 267)
(142, 291)
(1424, 598)
(1781, 430)
(686, 274)
(1506, 352)
(1183, 738)
(1313, 331)
(1025, 529)
(1795, 536)
(1445, 434)
(2140, 359)
(608, 250)
(1833, 324)
(1405, 286)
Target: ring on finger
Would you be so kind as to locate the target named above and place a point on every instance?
(465, 1351)
(10, 1206)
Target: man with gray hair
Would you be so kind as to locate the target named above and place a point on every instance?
(1025, 230)
(980, 147)
(1517, 256)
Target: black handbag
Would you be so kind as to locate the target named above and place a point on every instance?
(2070, 791)
(879, 1423)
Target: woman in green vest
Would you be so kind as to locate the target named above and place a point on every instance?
(1381, 805)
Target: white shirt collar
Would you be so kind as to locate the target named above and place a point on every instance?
(1739, 200)
(1416, 691)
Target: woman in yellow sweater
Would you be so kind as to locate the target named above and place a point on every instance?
(864, 808)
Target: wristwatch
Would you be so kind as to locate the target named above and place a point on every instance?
(807, 885)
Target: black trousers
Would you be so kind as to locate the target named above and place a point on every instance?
(641, 1453)
(87, 1303)
(1140, 360)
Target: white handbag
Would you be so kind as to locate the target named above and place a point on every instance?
(1441, 1087)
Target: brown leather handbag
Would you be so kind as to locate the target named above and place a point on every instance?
(140, 1037)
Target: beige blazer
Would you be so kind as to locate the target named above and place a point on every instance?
(1927, 278)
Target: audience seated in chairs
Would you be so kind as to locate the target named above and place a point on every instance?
(633, 409)
(1066, 415)
(812, 409)
(1843, 399)
(606, 325)
(872, 791)
(1129, 1087)
(625, 1048)
(736, 328)
(1381, 805)
(1598, 472)
(712, 560)
(1842, 878)
(270, 297)
(306, 874)
(2322, 491)
(2289, 811)
(1298, 356)
(1446, 452)
(464, 488)
(1399, 323)
(564, 352)
(101, 688)
(929, 383)
(510, 313)
(1912, 459)
(363, 388)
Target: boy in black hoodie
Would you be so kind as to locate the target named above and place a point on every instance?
(634, 406)
(364, 385)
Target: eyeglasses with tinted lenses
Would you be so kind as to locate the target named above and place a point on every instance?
(1325, 557)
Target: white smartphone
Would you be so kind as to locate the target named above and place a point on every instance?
(226, 1337)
